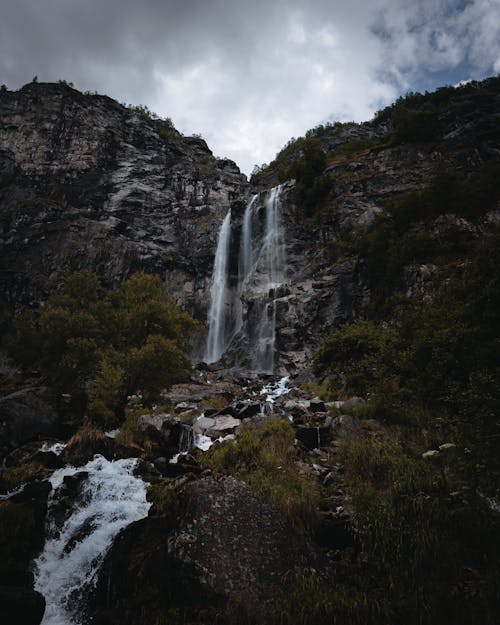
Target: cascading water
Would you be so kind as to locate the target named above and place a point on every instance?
(272, 264)
(111, 498)
(217, 339)
(261, 270)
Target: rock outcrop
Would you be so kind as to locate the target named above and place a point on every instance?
(88, 183)
(228, 546)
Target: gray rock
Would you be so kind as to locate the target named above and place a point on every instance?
(353, 402)
(223, 425)
(27, 413)
(344, 425)
(237, 543)
(203, 423)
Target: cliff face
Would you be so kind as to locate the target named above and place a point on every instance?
(88, 183)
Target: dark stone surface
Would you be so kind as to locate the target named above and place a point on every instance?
(21, 606)
(27, 413)
(222, 543)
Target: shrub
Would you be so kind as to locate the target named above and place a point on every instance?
(107, 344)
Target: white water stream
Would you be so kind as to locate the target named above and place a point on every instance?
(111, 498)
(261, 261)
(216, 342)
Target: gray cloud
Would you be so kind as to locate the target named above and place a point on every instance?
(248, 76)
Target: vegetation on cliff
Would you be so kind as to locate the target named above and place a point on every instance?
(429, 367)
(106, 345)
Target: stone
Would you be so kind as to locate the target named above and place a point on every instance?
(352, 402)
(317, 405)
(203, 423)
(345, 424)
(27, 413)
(431, 453)
(296, 407)
(249, 409)
(312, 437)
(226, 544)
(222, 425)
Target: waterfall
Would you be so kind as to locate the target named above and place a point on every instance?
(272, 261)
(261, 270)
(110, 498)
(217, 340)
(245, 260)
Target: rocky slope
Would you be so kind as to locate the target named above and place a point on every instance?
(89, 183)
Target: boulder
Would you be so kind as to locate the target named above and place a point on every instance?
(344, 425)
(296, 407)
(27, 413)
(223, 425)
(317, 405)
(249, 409)
(223, 544)
(353, 402)
(313, 437)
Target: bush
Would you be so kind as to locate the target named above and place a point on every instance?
(107, 344)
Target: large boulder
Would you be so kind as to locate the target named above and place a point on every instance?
(27, 413)
(224, 545)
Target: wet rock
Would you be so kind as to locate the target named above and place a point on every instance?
(79, 452)
(249, 409)
(222, 544)
(313, 437)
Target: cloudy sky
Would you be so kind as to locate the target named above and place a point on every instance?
(248, 75)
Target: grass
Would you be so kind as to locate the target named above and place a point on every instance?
(265, 458)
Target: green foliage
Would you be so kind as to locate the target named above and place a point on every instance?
(428, 537)
(424, 524)
(309, 601)
(412, 126)
(264, 457)
(311, 184)
(108, 344)
(356, 356)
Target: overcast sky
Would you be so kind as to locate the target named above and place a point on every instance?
(248, 75)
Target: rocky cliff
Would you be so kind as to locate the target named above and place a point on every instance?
(89, 183)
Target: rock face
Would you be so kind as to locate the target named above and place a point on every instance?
(87, 183)
(228, 546)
